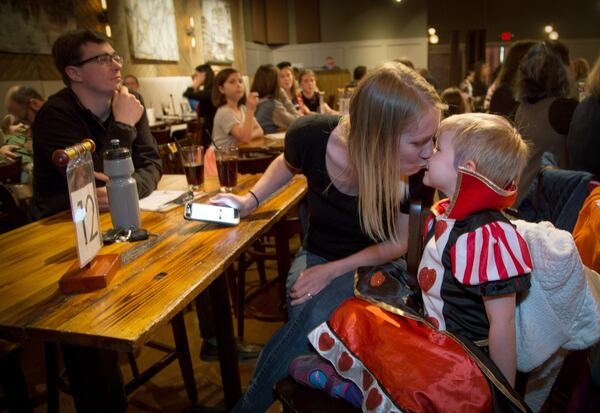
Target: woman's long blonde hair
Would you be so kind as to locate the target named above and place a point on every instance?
(592, 84)
(386, 103)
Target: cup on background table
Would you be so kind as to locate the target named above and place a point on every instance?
(192, 158)
(227, 167)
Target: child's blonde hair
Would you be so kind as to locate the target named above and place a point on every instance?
(492, 142)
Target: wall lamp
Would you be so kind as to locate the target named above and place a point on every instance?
(189, 30)
(103, 18)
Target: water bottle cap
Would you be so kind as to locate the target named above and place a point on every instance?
(116, 152)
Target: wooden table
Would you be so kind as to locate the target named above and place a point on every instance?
(262, 144)
(159, 277)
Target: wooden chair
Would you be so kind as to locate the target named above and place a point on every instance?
(171, 161)
(10, 173)
(162, 136)
(194, 130)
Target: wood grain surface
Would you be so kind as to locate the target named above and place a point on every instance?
(262, 144)
(157, 279)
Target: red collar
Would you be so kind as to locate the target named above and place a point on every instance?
(474, 193)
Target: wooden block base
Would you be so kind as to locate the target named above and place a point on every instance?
(94, 276)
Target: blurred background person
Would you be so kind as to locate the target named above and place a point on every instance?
(503, 101)
(200, 98)
(583, 141)
(456, 100)
(131, 82)
(545, 109)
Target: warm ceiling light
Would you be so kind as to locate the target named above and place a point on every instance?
(431, 31)
(548, 29)
(553, 35)
(398, 1)
(103, 4)
(434, 39)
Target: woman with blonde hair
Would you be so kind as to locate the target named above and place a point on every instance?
(357, 171)
(271, 113)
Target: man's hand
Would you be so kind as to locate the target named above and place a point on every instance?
(8, 151)
(101, 193)
(126, 108)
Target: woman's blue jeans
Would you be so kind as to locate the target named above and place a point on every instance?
(290, 340)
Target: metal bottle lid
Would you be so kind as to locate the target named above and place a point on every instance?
(116, 152)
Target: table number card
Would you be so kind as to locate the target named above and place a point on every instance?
(84, 206)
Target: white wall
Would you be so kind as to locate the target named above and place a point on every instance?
(347, 54)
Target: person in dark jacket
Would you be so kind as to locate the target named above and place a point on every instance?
(200, 97)
(93, 105)
(583, 141)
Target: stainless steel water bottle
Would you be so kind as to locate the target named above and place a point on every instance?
(121, 187)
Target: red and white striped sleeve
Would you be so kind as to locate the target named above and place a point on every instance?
(492, 252)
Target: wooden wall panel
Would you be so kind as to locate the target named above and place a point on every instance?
(259, 29)
(276, 16)
(41, 67)
(308, 21)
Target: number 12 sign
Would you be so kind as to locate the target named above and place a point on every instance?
(86, 218)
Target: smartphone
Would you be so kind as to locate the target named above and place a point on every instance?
(211, 213)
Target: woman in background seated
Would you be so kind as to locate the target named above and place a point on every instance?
(309, 96)
(15, 142)
(234, 122)
(583, 141)
(545, 111)
(289, 86)
(200, 97)
(357, 173)
(270, 112)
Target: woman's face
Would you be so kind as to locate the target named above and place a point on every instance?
(286, 78)
(416, 143)
(233, 88)
(308, 84)
(200, 77)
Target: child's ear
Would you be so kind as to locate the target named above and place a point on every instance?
(471, 165)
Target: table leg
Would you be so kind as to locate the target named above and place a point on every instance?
(95, 378)
(52, 377)
(183, 356)
(228, 357)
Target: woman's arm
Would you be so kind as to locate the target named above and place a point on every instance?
(277, 175)
(314, 279)
(244, 132)
(500, 311)
(257, 130)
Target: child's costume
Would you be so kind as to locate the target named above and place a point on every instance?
(405, 359)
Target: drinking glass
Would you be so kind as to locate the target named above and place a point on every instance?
(193, 165)
(227, 167)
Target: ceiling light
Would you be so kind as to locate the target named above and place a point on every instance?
(548, 29)
(434, 39)
(431, 31)
(553, 35)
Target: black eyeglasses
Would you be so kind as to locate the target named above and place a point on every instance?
(103, 59)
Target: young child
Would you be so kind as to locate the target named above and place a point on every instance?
(462, 342)
(234, 121)
(308, 98)
(474, 261)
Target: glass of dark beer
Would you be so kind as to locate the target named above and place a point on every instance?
(227, 167)
(193, 165)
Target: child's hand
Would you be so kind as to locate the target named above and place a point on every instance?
(252, 101)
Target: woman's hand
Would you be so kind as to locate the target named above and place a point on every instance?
(252, 102)
(311, 281)
(245, 204)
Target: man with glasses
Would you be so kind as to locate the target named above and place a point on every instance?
(95, 105)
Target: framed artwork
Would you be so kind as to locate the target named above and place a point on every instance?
(51, 18)
(217, 32)
(152, 33)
